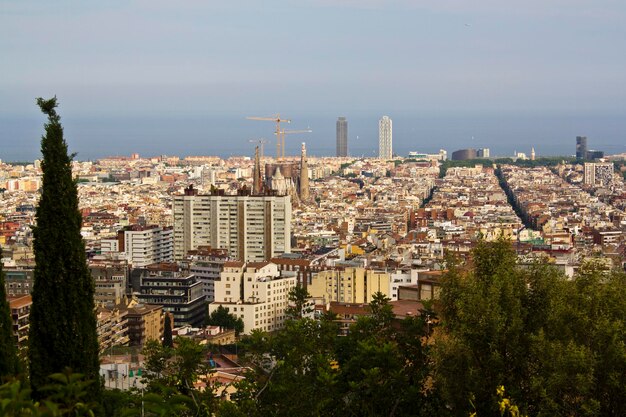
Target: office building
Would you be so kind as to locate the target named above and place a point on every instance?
(342, 137)
(483, 153)
(593, 154)
(179, 293)
(256, 292)
(581, 147)
(385, 138)
(464, 154)
(250, 227)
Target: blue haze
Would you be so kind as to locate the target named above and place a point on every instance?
(164, 77)
(229, 134)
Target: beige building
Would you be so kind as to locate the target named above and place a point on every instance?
(145, 322)
(112, 327)
(256, 292)
(349, 285)
(20, 313)
(251, 227)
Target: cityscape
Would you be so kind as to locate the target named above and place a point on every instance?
(353, 260)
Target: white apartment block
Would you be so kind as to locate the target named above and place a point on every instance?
(399, 278)
(147, 245)
(109, 246)
(250, 227)
(256, 292)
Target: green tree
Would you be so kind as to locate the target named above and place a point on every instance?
(8, 351)
(221, 317)
(484, 317)
(167, 332)
(62, 319)
(298, 296)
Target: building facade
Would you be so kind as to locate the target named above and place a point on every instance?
(342, 137)
(581, 147)
(145, 245)
(256, 292)
(599, 174)
(464, 154)
(385, 138)
(179, 293)
(20, 316)
(111, 280)
(250, 227)
(350, 285)
(145, 322)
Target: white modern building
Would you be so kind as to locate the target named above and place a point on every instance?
(385, 133)
(250, 227)
(145, 245)
(256, 292)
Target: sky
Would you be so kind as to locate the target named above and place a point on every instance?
(180, 77)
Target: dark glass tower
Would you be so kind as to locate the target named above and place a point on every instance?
(342, 137)
(581, 147)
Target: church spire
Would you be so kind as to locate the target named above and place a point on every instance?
(304, 175)
(256, 176)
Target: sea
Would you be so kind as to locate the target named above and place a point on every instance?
(231, 134)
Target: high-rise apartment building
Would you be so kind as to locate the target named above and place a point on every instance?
(599, 174)
(250, 227)
(385, 133)
(581, 147)
(342, 137)
(145, 245)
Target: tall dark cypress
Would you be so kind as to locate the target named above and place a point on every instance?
(62, 319)
(167, 332)
(8, 350)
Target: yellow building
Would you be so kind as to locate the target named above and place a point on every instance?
(349, 285)
(145, 322)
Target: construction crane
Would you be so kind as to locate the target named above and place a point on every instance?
(276, 119)
(290, 132)
(261, 142)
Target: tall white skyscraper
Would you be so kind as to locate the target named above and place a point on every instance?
(385, 133)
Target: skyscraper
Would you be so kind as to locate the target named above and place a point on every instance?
(581, 147)
(385, 138)
(342, 137)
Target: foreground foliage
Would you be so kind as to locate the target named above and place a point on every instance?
(557, 345)
(62, 319)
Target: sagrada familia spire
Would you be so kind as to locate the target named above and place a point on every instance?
(257, 182)
(304, 176)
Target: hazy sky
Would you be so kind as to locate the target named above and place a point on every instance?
(324, 57)
(157, 56)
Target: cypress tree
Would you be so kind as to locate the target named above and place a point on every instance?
(62, 319)
(167, 332)
(8, 351)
